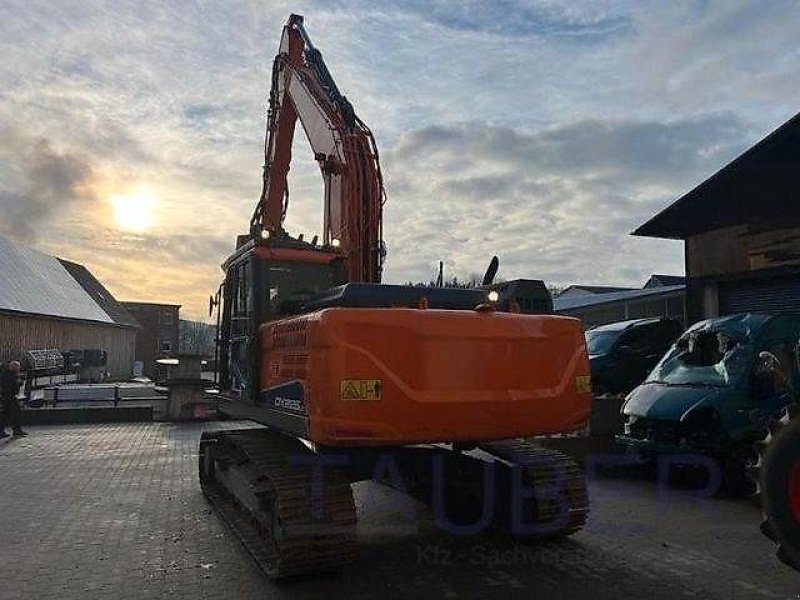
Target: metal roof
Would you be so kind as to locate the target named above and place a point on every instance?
(99, 294)
(36, 283)
(593, 289)
(760, 186)
(128, 304)
(573, 302)
(662, 280)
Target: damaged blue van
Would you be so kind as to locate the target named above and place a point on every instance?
(714, 390)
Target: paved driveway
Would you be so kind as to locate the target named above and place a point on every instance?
(114, 511)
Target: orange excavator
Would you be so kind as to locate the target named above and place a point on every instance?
(432, 390)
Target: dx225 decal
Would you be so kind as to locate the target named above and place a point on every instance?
(287, 397)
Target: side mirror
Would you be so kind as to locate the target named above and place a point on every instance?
(212, 304)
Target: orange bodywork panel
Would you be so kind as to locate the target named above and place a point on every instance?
(320, 257)
(392, 376)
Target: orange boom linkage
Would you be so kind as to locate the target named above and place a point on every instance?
(343, 146)
(432, 390)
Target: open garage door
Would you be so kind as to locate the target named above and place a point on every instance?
(768, 295)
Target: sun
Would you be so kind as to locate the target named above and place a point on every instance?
(135, 211)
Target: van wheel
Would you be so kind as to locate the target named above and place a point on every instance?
(736, 470)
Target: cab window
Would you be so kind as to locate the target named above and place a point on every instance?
(641, 340)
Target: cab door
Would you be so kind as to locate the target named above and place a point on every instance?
(238, 327)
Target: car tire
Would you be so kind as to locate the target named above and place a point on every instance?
(736, 469)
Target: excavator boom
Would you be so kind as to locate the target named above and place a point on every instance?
(343, 146)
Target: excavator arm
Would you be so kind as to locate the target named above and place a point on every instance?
(343, 146)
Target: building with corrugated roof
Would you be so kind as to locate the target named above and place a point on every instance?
(50, 303)
(661, 296)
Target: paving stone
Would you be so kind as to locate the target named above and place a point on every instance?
(115, 511)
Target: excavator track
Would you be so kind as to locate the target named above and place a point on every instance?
(778, 479)
(536, 493)
(558, 503)
(263, 486)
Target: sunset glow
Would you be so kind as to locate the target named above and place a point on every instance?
(134, 212)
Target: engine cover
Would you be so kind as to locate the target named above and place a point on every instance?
(392, 376)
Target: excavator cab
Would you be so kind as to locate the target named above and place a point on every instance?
(266, 280)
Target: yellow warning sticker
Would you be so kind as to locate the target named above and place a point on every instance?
(583, 383)
(360, 389)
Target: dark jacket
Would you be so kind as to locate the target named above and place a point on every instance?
(9, 384)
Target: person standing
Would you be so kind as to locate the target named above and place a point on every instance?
(10, 383)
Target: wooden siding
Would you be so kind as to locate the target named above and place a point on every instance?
(20, 333)
(738, 250)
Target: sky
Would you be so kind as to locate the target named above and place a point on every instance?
(542, 131)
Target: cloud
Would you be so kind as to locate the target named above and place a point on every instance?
(181, 266)
(49, 181)
(512, 18)
(727, 54)
(645, 150)
(541, 130)
(555, 203)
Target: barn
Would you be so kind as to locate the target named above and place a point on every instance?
(741, 231)
(51, 303)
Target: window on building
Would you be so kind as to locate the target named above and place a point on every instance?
(166, 345)
(166, 318)
(675, 308)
